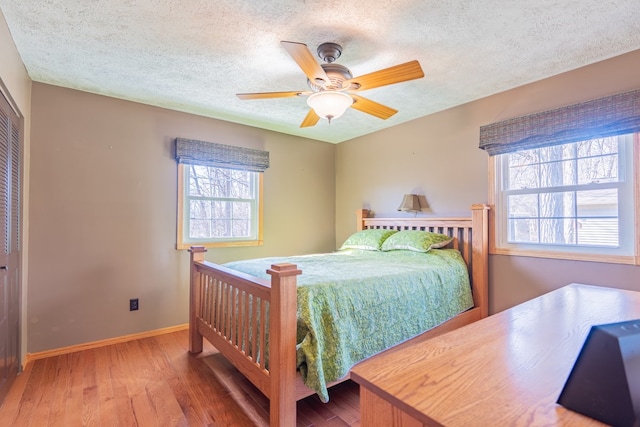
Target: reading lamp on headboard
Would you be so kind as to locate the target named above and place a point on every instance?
(410, 203)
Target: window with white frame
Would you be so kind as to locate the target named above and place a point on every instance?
(220, 194)
(564, 182)
(220, 204)
(576, 197)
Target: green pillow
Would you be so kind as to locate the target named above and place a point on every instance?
(415, 240)
(369, 240)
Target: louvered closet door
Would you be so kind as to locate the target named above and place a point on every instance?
(10, 207)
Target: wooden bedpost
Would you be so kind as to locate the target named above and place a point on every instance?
(361, 214)
(480, 256)
(195, 338)
(282, 345)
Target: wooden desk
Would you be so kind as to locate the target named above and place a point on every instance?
(506, 369)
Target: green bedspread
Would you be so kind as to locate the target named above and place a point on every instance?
(353, 304)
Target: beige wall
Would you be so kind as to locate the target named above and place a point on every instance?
(16, 84)
(12, 72)
(103, 212)
(438, 156)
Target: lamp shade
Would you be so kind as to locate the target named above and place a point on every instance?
(410, 203)
(329, 104)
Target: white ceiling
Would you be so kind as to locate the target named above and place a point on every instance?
(195, 55)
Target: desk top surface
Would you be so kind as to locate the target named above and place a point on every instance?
(508, 367)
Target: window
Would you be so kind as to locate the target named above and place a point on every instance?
(220, 194)
(220, 205)
(575, 198)
(565, 183)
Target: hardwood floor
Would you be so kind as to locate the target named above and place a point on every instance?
(154, 382)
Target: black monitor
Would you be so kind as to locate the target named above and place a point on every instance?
(604, 383)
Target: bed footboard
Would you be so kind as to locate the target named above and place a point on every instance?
(246, 319)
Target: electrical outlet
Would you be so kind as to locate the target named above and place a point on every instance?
(133, 304)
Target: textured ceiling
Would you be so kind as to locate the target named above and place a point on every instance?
(195, 55)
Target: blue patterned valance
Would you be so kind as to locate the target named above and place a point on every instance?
(612, 115)
(192, 151)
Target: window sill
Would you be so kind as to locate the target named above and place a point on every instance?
(611, 259)
(220, 244)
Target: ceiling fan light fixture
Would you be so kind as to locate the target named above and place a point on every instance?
(333, 86)
(329, 104)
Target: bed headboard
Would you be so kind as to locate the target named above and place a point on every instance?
(471, 238)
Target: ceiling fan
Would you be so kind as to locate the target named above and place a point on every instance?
(333, 87)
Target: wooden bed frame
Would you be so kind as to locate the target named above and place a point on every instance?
(221, 312)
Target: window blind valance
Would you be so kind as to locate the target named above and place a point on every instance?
(612, 115)
(192, 151)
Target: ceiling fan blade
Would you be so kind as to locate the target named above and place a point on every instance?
(371, 107)
(396, 74)
(305, 60)
(310, 120)
(265, 95)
